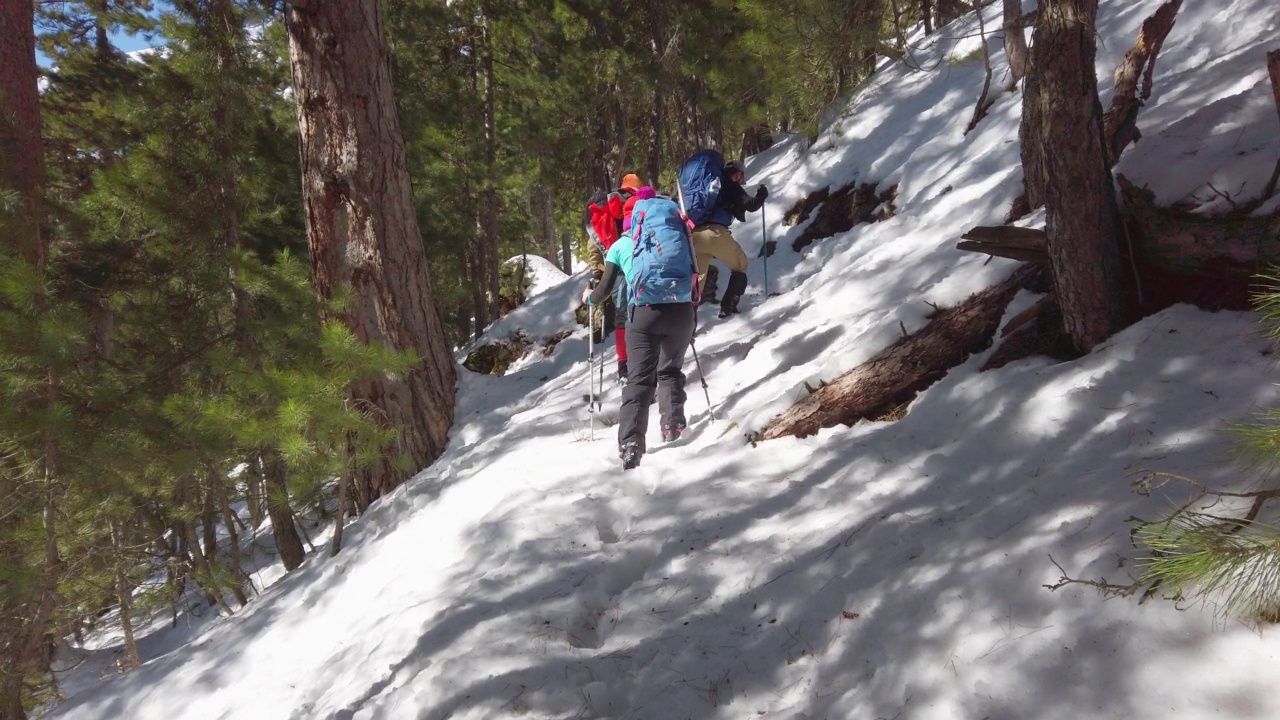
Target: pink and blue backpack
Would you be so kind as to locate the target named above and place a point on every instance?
(662, 263)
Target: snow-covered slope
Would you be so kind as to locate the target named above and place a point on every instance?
(892, 569)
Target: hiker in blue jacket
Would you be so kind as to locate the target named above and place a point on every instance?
(656, 262)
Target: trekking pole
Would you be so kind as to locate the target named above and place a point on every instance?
(600, 385)
(591, 360)
(706, 393)
(764, 250)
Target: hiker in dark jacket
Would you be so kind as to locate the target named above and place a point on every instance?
(712, 238)
(658, 336)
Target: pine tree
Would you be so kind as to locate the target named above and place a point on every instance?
(362, 229)
(1208, 550)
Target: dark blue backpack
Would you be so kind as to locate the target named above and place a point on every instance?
(700, 184)
(662, 264)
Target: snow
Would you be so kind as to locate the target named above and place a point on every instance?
(543, 273)
(890, 569)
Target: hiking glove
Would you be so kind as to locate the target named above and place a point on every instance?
(762, 192)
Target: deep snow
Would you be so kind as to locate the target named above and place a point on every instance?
(890, 569)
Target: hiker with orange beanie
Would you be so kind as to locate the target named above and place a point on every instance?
(604, 225)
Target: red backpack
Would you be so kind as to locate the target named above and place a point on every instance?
(606, 218)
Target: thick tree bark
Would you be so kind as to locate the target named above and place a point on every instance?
(362, 229)
(1062, 117)
(21, 151)
(1015, 43)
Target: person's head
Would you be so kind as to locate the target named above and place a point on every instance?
(631, 182)
(733, 171)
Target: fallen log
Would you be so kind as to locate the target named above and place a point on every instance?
(1164, 242)
(1017, 243)
(897, 373)
(1182, 243)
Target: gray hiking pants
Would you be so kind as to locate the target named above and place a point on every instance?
(657, 338)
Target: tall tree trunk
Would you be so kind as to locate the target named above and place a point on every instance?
(475, 273)
(489, 262)
(480, 307)
(124, 596)
(288, 544)
(899, 36)
(1015, 43)
(340, 521)
(206, 576)
(21, 151)
(28, 603)
(657, 119)
(102, 41)
(657, 112)
(600, 178)
(548, 211)
(253, 491)
(209, 521)
(618, 158)
(224, 28)
(230, 520)
(947, 10)
(1062, 117)
(566, 251)
(362, 228)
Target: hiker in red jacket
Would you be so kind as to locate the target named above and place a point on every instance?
(604, 224)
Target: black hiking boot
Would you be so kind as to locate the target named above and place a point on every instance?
(630, 455)
(733, 293)
(709, 287)
(672, 432)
